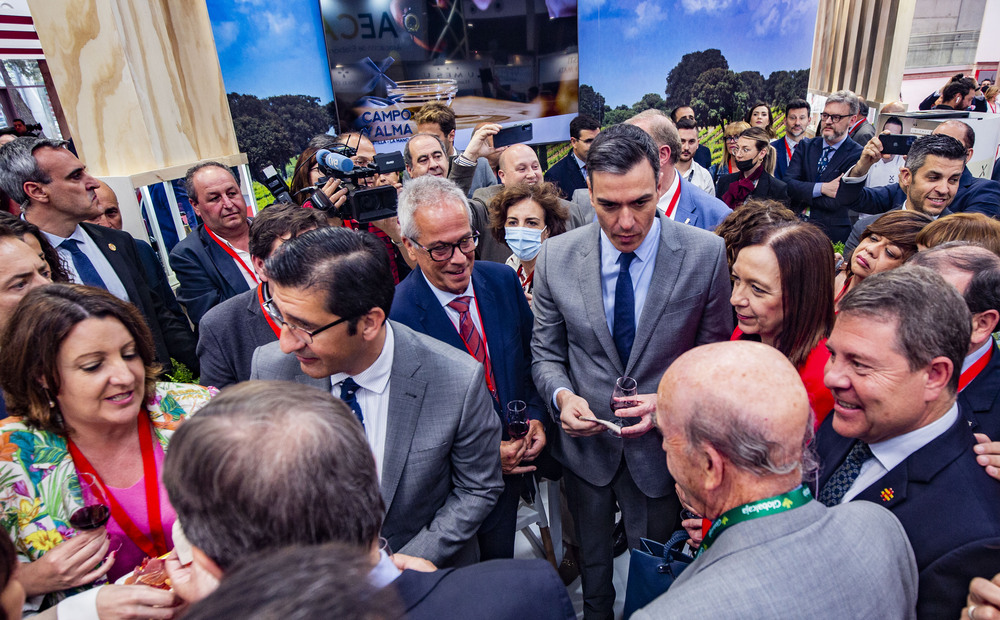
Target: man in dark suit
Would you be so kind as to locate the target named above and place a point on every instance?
(814, 171)
(432, 215)
(425, 406)
(796, 121)
(321, 486)
(230, 332)
(568, 173)
(861, 130)
(59, 195)
(898, 438)
(213, 263)
(702, 156)
(623, 298)
(975, 272)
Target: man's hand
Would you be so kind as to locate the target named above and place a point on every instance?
(644, 409)
(334, 191)
(534, 441)
(983, 600)
(412, 562)
(74, 562)
(988, 454)
(390, 226)
(479, 145)
(121, 602)
(511, 454)
(829, 189)
(190, 582)
(571, 409)
(869, 155)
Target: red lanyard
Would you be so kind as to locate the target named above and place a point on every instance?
(730, 166)
(788, 149)
(973, 371)
(993, 106)
(525, 282)
(230, 251)
(260, 298)
(855, 125)
(673, 202)
(158, 546)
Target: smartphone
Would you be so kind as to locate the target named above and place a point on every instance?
(513, 134)
(896, 144)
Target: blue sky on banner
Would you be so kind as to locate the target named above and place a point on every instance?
(627, 47)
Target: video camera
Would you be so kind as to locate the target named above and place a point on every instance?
(364, 204)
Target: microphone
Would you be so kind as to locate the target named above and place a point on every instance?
(334, 161)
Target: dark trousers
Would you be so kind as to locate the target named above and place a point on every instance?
(593, 509)
(496, 534)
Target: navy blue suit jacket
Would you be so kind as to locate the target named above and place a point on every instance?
(699, 209)
(566, 174)
(801, 175)
(974, 195)
(207, 274)
(981, 398)
(946, 503)
(703, 156)
(781, 159)
(507, 321)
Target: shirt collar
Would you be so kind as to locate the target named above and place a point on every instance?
(976, 355)
(579, 162)
(444, 297)
(837, 145)
(905, 207)
(55, 240)
(375, 378)
(892, 452)
(645, 252)
(668, 195)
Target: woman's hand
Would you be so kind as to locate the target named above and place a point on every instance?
(72, 563)
(121, 602)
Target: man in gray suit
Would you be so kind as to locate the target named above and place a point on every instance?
(737, 451)
(424, 405)
(621, 298)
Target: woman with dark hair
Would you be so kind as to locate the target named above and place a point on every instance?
(755, 161)
(887, 243)
(78, 369)
(737, 229)
(975, 228)
(11, 590)
(522, 216)
(783, 297)
(31, 235)
(759, 115)
(730, 135)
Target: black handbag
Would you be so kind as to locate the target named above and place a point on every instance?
(652, 569)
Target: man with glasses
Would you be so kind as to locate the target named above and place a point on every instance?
(479, 309)
(814, 172)
(424, 406)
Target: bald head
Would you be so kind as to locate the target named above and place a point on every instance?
(961, 132)
(519, 164)
(111, 215)
(663, 132)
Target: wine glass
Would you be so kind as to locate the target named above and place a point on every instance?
(517, 419)
(95, 511)
(626, 388)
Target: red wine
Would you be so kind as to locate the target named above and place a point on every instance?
(517, 429)
(90, 517)
(619, 404)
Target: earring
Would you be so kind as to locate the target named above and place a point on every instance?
(52, 403)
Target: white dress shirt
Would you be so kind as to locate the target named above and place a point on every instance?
(246, 269)
(373, 396)
(665, 199)
(97, 258)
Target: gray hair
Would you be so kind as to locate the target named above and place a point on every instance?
(619, 148)
(931, 317)
(408, 158)
(19, 166)
(189, 177)
(983, 292)
(661, 129)
(426, 191)
(847, 97)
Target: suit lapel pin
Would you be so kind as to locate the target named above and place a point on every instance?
(112, 247)
(887, 494)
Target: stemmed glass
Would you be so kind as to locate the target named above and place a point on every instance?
(623, 397)
(95, 511)
(517, 419)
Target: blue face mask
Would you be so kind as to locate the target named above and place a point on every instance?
(525, 243)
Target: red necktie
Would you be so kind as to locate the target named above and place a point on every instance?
(473, 341)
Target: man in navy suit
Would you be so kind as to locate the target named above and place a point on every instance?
(814, 171)
(568, 173)
(897, 436)
(679, 200)
(213, 263)
(439, 296)
(796, 121)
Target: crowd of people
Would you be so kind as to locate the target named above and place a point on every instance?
(825, 426)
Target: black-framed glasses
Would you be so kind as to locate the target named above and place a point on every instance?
(835, 118)
(444, 251)
(303, 334)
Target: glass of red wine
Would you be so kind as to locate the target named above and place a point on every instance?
(517, 419)
(95, 511)
(623, 397)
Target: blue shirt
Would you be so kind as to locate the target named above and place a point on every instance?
(641, 271)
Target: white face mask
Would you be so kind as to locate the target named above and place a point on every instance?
(525, 243)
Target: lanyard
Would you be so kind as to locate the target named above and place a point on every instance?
(158, 546)
(230, 251)
(788, 150)
(673, 202)
(260, 299)
(855, 125)
(799, 496)
(525, 282)
(730, 166)
(973, 371)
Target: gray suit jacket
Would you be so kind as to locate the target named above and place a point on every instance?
(850, 561)
(228, 335)
(441, 471)
(687, 305)
(581, 212)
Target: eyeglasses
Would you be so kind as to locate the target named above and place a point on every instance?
(303, 334)
(444, 251)
(732, 138)
(835, 118)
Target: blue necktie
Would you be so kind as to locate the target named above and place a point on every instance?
(348, 391)
(84, 268)
(845, 475)
(624, 318)
(824, 160)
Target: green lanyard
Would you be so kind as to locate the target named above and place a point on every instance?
(799, 496)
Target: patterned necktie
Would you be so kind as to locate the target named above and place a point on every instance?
(842, 479)
(473, 341)
(824, 161)
(624, 317)
(84, 268)
(348, 394)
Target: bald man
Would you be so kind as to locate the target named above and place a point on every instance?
(111, 215)
(735, 448)
(518, 164)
